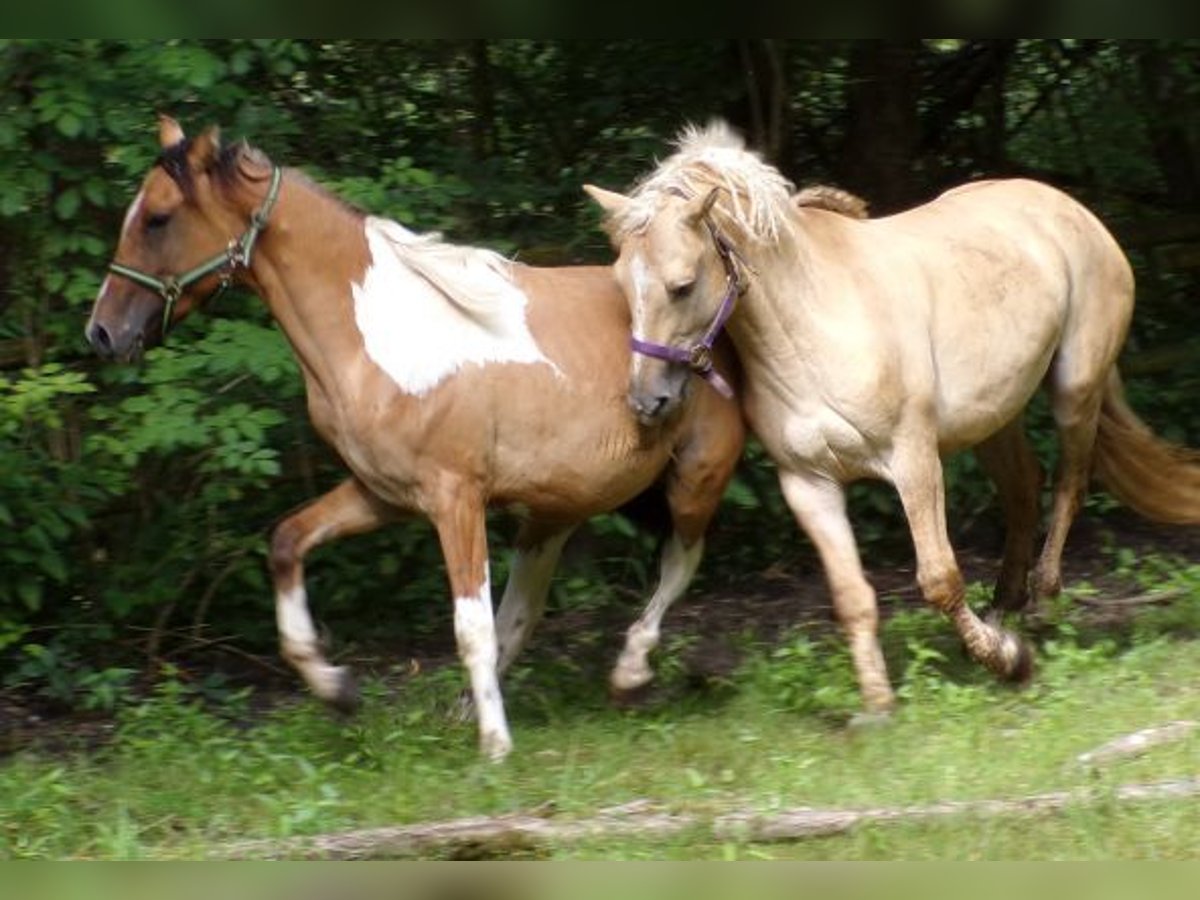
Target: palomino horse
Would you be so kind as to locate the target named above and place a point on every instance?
(446, 377)
(870, 347)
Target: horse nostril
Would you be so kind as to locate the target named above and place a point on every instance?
(99, 338)
(648, 408)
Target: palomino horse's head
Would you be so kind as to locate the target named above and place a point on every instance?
(681, 279)
(185, 234)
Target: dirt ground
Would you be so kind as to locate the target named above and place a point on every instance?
(713, 622)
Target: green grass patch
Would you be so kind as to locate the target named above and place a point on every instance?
(182, 775)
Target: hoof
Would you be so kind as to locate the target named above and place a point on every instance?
(495, 747)
(1021, 671)
(629, 698)
(628, 680)
(869, 721)
(346, 700)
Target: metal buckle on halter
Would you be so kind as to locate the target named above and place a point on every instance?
(171, 290)
(235, 252)
(700, 358)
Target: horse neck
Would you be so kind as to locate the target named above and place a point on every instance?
(777, 311)
(311, 252)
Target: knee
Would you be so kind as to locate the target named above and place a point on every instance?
(856, 610)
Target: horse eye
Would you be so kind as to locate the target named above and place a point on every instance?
(680, 291)
(157, 220)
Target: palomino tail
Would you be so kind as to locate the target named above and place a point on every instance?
(1157, 479)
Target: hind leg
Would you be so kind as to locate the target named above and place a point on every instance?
(347, 509)
(1076, 413)
(917, 475)
(1010, 462)
(538, 547)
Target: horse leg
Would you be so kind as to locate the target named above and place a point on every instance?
(462, 532)
(1077, 415)
(819, 505)
(347, 509)
(677, 566)
(538, 547)
(703, 463)
(917, 475)
(1010, 462)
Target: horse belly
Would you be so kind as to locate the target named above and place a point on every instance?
(573, 455)
(979, 398)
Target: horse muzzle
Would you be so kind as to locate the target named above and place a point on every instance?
(652, 399)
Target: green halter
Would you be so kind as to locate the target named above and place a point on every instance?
(237, 255)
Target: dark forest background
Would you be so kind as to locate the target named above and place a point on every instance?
(135, 501)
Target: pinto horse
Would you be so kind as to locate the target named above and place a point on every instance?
(870, 347)
(447, 378)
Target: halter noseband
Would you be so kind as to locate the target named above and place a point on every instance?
(698, 357)
(236, 256)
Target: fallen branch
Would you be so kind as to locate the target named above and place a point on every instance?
(496, 835)
(1138, 743)
(1150, 598)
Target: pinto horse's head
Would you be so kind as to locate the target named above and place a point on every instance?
(178, 243)
(677, 280)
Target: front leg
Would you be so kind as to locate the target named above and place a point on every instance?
(463, 534)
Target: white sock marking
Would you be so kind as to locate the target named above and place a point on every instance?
(298, 640)
(414, 331)
(475, 632)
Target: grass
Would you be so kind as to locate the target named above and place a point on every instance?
(181, 776)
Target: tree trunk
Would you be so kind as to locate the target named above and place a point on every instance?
(883, 128)
(1168, 110)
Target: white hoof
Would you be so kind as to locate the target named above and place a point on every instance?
(495, 746)
(630, 676)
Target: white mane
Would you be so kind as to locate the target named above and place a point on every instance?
(755, 197)
(426, 308)
(477, 281)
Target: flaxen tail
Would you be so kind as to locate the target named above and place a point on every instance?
(1157, 479)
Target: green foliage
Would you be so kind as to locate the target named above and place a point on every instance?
(141, 497)
(257, 769)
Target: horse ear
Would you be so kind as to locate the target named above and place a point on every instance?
(204, 149)
(699, 207)
(169, 131)
(252, 163)
(610, 201)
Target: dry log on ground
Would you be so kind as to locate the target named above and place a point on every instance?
(506, 834)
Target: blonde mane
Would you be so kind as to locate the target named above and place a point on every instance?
(832, 199)
(754, 200)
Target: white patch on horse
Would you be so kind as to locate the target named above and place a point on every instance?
(640, 274)
(134, 208)
(475, 631)
(298, 641)
(426, 308)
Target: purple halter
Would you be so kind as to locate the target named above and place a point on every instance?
(698, 357)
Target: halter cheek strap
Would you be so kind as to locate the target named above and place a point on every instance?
(236, 256)
(699, 357)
